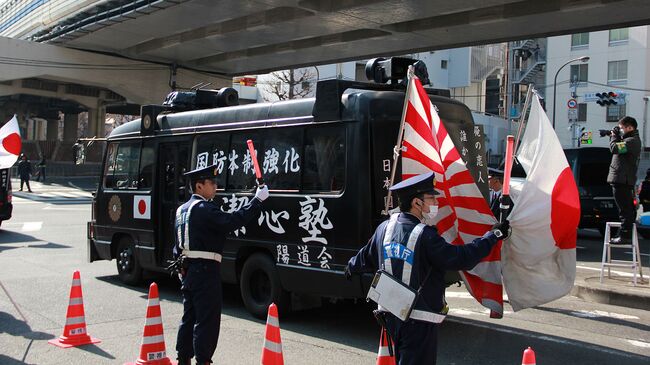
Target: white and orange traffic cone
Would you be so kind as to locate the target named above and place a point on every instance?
(74, 331)
(272, 350)
(529, 357)
(384, 356)
(152, 350)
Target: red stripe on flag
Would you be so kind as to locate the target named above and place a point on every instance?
(415, 154)
(424, 98)
(419, 125)
(473, 228)
(484, 289)
(477, 204)
(460, 178)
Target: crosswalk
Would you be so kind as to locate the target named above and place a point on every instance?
(51, 193)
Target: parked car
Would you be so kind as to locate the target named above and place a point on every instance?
(590, 166)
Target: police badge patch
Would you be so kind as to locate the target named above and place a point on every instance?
(115, 208)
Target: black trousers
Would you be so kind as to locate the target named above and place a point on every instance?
(198, 333)
(24, 181)
(624, 198)
(416, 342)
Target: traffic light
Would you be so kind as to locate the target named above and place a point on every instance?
(606, 98)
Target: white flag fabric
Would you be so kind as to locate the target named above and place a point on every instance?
(10, 143)
(539, 259)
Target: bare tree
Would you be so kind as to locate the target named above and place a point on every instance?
(289, 84)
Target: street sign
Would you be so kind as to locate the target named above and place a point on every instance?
(573, 115)
(572, 103)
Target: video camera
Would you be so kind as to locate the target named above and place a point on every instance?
(606, 132)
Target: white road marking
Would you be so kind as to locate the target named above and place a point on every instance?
(32, 226)
(639, 343)
(469, 312)
(457, 294)
(597, 313)
(618, 273)
(52, 207)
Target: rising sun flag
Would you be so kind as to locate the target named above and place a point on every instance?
(464, 213)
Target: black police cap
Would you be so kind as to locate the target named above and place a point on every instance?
(416, 185)
(209, 172)
(492, 172)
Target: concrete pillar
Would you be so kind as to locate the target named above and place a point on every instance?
(70, 126)
(97, 121)
(52, 131)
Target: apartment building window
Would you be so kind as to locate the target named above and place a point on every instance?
(617, 72)
(443, 64)
(579, 73)
(580, 40)
(582, 112)
(615, 112)
(618, 36)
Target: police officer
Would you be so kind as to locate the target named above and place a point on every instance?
(495, 182)
(201, 229)
(404, 242)
(625, 146)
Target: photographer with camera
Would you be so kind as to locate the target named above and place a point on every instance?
(625, 146)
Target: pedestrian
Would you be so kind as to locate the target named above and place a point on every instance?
(644, 192)
(24, 171)
(201, 229)
(495, 183)
(41, 169)
(412, 246)
(625, 146)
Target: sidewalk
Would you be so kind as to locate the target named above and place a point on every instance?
(616, 290)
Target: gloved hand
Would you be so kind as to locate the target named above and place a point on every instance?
(616, 134)
(262, 193)
(348, 274)
(504, 227)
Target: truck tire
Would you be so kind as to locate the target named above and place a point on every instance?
(128, 267)
(260, 286)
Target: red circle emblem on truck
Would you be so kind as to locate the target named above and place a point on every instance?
(142, 207)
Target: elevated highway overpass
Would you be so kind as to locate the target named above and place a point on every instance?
(219, 39)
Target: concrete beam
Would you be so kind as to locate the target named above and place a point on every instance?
(138, 82)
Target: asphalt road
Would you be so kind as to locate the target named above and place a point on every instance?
(45, 242)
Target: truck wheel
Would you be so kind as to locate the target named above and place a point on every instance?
(260, 286)
(128, 267)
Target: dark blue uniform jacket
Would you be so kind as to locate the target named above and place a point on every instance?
(208, 225)
(431, 251)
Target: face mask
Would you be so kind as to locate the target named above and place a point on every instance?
(430, 215)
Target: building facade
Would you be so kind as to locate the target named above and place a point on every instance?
(618, 63)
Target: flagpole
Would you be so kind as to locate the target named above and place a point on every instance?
(522, 117)
(398, 145)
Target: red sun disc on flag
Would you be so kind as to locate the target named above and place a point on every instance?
(12, 144)
(142, 207)
(565, 210)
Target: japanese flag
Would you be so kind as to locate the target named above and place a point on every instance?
(539, 259)
(11, 143)
(142, 207)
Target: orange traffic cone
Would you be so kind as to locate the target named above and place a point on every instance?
(383, 356)
(74, 331)
(529, 357)
(152, 350)
(272, 350)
